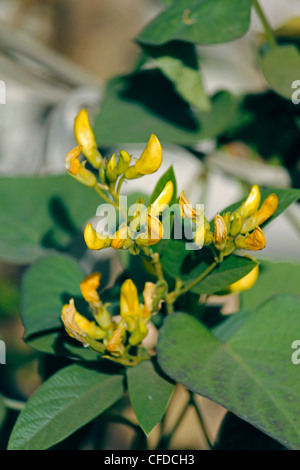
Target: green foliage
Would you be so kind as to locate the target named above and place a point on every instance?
(199, 21)
(281, 66)
(41, 215)
(246, 367)
(47, 286)
(64, 403)
(150, 393)
(270, 275)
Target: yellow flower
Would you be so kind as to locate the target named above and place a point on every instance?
(86, 139)
(149, 161)
(186, 208)
(123, 163)
(95, 240)
(245, 282)
(120, 237)
(129, 300)
(162, 201)
(77, 169)
(89, 287)
(266, 210)
(251, 204)
(115, 344)
(153, 233)
(111, 169)
(79, 327)
(220, 232)
(254, 241)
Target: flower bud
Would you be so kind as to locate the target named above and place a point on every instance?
(149, 161)
(163, 200)
(95, 240)
(266, 210)
(85, 137)
(79, 327)
(251, 204)
(220, 232)
(78, 170)
(236, 224)
(186, 208)
(123, 163)
(254, 241)
(138, 334)
(111, 169)
(129, 300)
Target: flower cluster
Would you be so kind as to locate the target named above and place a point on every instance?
(106, 176)
(239, 229)
(112, 337)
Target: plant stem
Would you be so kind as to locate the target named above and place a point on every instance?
(121, 181)
(189, 286)
(14, 404)
(165, 440)
(98, 190)
(268, 30)
(200, 419)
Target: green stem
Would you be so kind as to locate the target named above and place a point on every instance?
(268, 30)
(14, 404)
(98, 190)
(201, 422)
(121, 181)
(165, 440)
(198, 279)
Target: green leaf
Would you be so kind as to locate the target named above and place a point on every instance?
(281, 67)
(41, 214)
(199, 21)
(143, 103)
(178, 61)
(64, 403)
(180, 263)
(47, 286)
(272, 275)
(248, 369)
(236, 434)
(59, 343)
(150, 393)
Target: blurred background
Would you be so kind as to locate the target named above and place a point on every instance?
(55, 56)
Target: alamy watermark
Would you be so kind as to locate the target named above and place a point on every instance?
(2, 352)
(109, 219)
(295, 358)
(296, 94)
(2, 92)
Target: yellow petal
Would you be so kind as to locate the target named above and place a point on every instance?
(153, 234)
(255, 241)
(266, 210)
(120, 237)
(245, 282)
(220, 232)
(186, 208)
(85, 137)
(163, 200)
(89, 287)
(129, 300)
(149, 161)
(94, 240)
(77, 169)
(115, 344)
(251, 204)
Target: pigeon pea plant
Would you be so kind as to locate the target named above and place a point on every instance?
(159, 326)
(117, 327)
